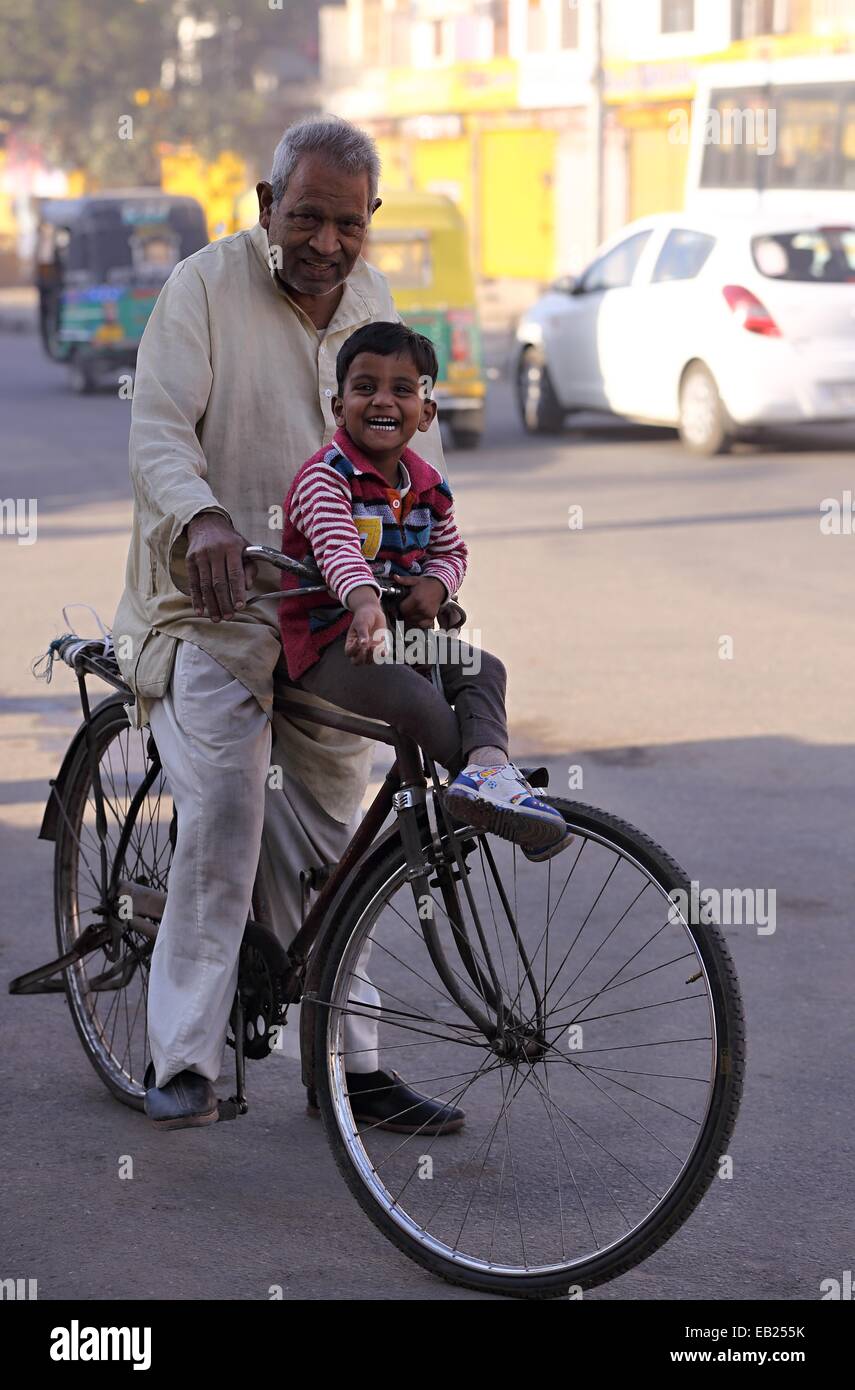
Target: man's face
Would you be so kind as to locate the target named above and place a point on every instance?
(384, 402)
(319, 223)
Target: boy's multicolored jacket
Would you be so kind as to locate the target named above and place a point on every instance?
(341, 513)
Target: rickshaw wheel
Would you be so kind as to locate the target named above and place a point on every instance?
(465, 439)
(82, 376)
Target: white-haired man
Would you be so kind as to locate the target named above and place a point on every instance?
(233, 391)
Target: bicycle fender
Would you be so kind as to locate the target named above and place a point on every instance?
(50, 819)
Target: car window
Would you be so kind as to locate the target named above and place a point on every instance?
(683, 256)
(617, 267)
(825, 255)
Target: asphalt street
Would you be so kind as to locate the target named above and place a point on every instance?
(737, 755)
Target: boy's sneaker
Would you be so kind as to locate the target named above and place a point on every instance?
(537, 856)
(500, 800)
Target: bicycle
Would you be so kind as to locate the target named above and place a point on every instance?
(592, 1031)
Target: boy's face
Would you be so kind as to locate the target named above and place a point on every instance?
(383, 404)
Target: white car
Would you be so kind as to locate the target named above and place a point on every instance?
(713, 327)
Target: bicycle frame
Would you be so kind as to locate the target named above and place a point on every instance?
(404, 790)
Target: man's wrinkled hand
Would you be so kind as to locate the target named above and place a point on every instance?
(423, 602)
(216, 571)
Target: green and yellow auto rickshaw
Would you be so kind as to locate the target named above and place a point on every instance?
(100, 265)
(419, 242)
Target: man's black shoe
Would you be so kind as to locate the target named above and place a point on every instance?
(185, 1102)
(382, 1099)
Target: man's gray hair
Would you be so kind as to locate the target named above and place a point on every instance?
(343, 144)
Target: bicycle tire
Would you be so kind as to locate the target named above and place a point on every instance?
(122, 1077)
(698, 1171)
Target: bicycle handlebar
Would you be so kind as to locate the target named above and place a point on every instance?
(70, 647)
(452, 615)
(284, 562)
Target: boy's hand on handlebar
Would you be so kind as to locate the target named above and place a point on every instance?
(423, 602)
(217, 574)
(368, 629)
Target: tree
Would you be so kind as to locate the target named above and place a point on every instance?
(101, 84)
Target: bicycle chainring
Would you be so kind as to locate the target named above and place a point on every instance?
(261, 977)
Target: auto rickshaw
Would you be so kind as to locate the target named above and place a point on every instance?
(419, 242)
(100, 265)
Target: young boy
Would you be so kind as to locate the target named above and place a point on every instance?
(367, 505)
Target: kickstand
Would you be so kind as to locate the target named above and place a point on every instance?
(238, 1103)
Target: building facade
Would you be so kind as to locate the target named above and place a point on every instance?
(550, 122)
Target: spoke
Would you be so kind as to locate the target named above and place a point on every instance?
(550, 915)
(557, 1169)
(463, 979)
(468, 1159)
(475, 1187)
(389, 1047)
(411, 969)
(493, 915)
(590, 998)
(630, 1071)
(454, 1091)
(664, 1104)
(628, 1047)
(505, 1109)
(619, 971)
(636, 1009)
(557, 1140)
(591, 910)
(384, 1011)
(568, 1122)
(628, 1113)
(483, 1069)
(608, 937)
(422, 1081)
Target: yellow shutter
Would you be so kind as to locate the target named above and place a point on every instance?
(517, 203)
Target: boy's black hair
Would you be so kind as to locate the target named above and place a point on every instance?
(387, 339)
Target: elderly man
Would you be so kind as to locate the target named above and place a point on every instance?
(233, 391)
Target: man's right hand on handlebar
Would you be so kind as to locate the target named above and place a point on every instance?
(217, 574)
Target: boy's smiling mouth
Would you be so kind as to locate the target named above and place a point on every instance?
(382, 422)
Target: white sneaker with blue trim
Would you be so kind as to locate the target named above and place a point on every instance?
(500, 800)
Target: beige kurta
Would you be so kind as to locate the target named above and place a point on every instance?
(232, 394)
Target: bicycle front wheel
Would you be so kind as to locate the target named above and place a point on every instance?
(594, 1125)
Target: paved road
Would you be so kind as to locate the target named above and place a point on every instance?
(613, 635)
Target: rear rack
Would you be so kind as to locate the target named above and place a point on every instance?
(86, 656)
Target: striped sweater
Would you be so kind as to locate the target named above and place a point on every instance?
(341, 515)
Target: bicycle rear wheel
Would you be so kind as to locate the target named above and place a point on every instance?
(595, 1133)
(109, 998)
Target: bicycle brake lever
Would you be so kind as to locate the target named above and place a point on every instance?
(451, 615)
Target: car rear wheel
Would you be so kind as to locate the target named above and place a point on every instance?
(705, 427)
(540, 408)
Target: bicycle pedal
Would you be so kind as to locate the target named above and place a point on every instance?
(231, 1108)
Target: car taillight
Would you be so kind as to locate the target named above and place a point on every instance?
(751, 313)
(460, 323)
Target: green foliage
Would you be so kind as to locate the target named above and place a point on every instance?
(73, 71)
